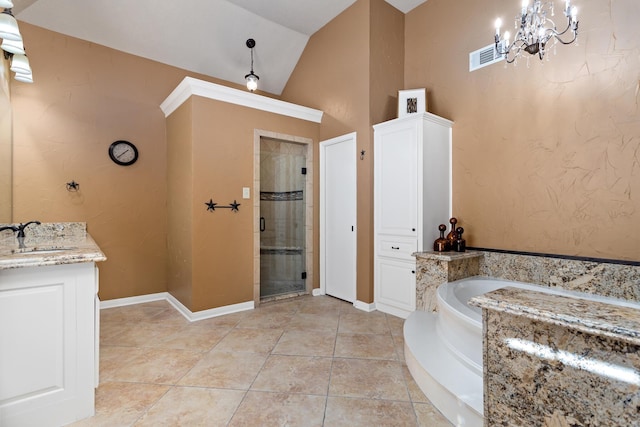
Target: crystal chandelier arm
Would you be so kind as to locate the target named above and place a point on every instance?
(575, 36)
(573, 26)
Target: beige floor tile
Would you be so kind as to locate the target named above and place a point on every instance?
(398, 343)
(306, 343)
(372, 379)
(225, 370)
(250, 340)
(271, 366)
(141, 334)
(114, 358)
(121, 404)
(134, 313)
(327, 322)
(429, 416)
(111, 329)
(188, 338)
(367, 413)
(158, 366)
(227, 321)
(415, 393)
(266, 319)
(294, 374)
(323, 305)
(285, 307)
(367, 346)
(170, 316)
(363, 323)
(396, 325)
(267, 409)
(189, 406)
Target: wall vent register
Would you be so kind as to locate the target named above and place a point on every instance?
(482, 57)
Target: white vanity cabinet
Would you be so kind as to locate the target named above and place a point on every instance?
(412, 196)
(48, 344)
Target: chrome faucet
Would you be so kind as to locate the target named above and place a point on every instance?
(19, 228)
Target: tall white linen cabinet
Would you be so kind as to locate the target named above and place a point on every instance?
(412, 196)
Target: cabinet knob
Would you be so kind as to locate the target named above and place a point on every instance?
(413, 229)
(413, 272)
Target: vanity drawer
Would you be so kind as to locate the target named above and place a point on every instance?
(397, 247)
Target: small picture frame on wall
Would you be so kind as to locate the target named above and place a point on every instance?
(412, 101)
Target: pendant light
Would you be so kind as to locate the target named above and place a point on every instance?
(20, 64)
(24, 78)
(9, 26)
(12, 46)
(251, 78)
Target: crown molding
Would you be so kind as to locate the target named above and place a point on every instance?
(190, 86)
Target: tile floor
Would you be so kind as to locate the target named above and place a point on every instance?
(308, 361)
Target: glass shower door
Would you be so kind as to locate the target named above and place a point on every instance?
(282, 218)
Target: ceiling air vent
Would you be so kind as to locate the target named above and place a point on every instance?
(483, 57)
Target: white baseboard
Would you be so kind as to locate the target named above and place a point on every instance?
(140, 299)
(317, 291)
(365, 306)
(182, 309)
(212, 312)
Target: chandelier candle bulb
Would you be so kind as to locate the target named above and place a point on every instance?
(498, 25)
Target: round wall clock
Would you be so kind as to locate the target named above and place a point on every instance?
(123, 153)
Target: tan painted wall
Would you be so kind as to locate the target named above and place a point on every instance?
(179, 203)
(86, 96)
(222, 156)
(545, 157)
(351, 69)
(386, 62)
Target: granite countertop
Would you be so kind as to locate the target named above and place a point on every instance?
(590, 316)
(49, 244)
(447, 256)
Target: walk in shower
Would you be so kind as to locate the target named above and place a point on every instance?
(282, 217)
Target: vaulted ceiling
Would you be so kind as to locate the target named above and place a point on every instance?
(203, 36)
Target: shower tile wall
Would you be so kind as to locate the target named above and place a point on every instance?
(282, 205)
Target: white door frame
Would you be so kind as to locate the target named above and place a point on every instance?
(323, 200)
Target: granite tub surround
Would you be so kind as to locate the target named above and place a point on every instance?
(48, 244)
(436, 268)
(611, 279)
(553, 360)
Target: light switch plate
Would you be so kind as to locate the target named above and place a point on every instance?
(246, 194)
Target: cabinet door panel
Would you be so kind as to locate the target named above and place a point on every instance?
(32, 355)
(396, 181)
(396, 284)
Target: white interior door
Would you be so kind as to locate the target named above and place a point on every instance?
(338, 229)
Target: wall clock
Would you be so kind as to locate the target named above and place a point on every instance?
(123, 153)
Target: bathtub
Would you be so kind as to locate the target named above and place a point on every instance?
(443, 350)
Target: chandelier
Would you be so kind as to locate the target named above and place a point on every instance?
(536, 29)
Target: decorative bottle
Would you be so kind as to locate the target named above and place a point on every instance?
(441, 244)
(461, 244)
(452, 237)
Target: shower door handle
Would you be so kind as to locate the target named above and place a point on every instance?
(262, 224)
